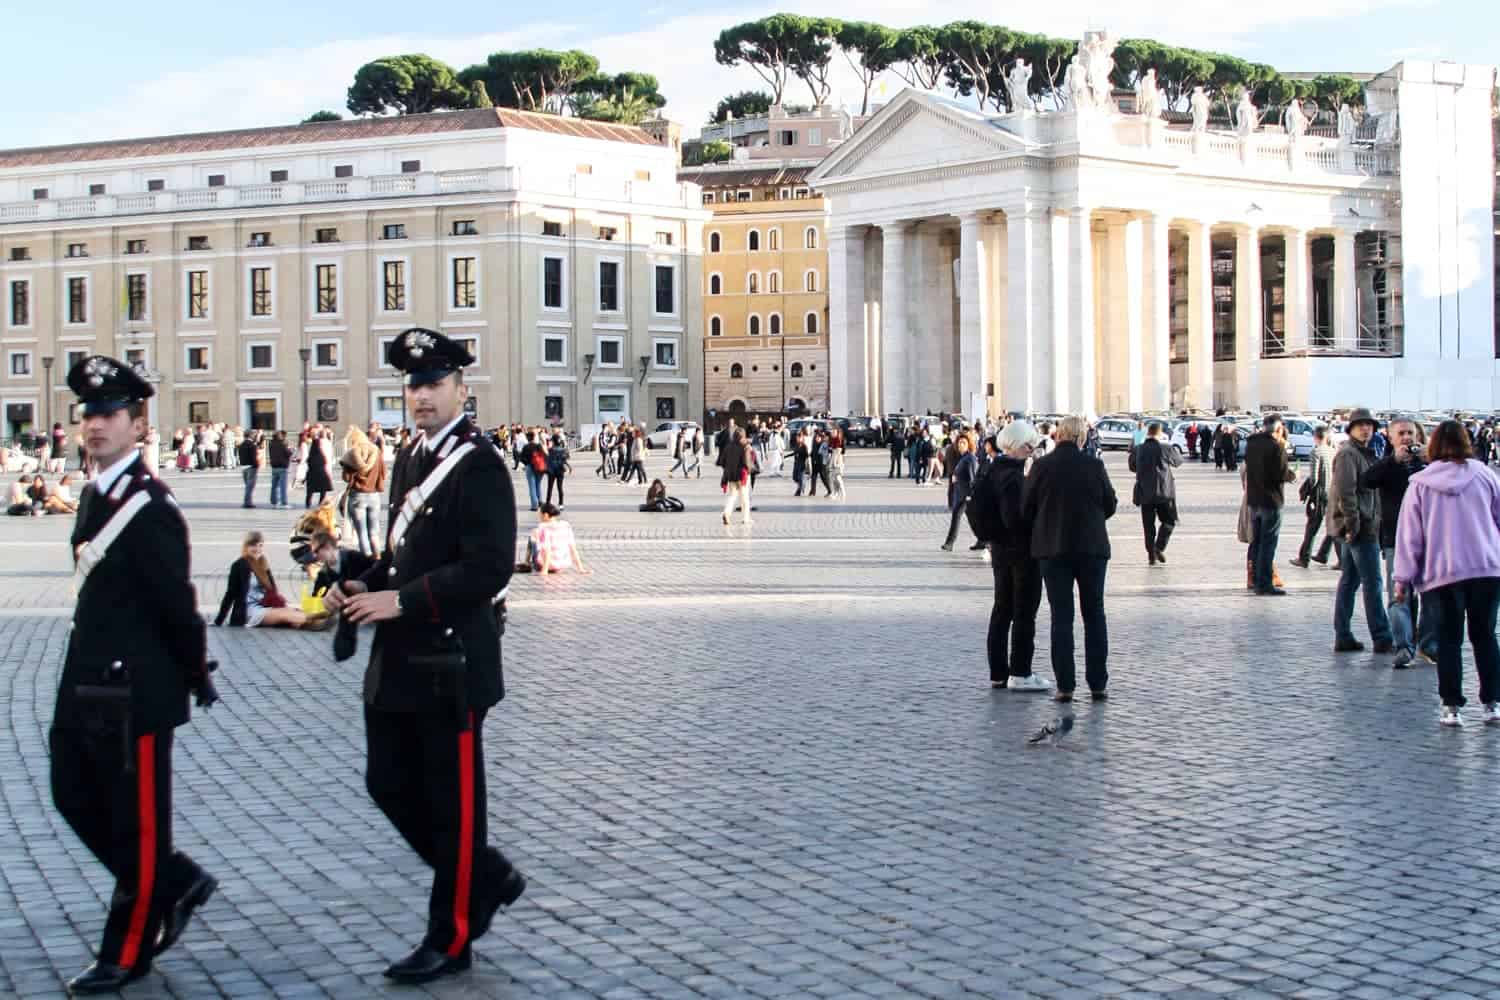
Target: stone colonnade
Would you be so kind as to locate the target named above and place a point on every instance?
(1038, 309)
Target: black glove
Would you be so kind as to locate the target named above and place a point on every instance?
(345, 639)
(204, 692)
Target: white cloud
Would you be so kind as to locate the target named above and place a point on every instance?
(284, 85)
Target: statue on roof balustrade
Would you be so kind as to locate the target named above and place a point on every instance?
(1294, 119)
(1147, 98)
(1199, 104)
(1246, 114)
(1018, 86)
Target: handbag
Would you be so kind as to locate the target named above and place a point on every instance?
(272, 599)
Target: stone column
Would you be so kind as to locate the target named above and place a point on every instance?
(1345, 291)
(1247, 319)
(1058, 275)
(1295, 292)
(894, 335)
(1158, 322)
(1200, 383)
(1131, 277)
(974, 309)
(1025, 300)
(846, 321)
(1081, 370)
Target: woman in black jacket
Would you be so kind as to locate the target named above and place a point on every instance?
(251, 600)
(318, 479)
(1067, 499)
(1018, 578)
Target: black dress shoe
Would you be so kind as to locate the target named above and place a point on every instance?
(1161, 556)
(1099, 695)
(176, 919)
(1348, 646)
(504, 893)
(426, 964)
(1270, 592)
(1384, 646)
(101, 977)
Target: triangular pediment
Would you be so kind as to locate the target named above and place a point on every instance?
(918, 132)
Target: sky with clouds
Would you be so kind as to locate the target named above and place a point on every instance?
(86, 69)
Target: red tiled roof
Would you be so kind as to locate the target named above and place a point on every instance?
(354, 128)
(748, 176)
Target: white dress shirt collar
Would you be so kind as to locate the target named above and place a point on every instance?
(105, 481)
(431, 441)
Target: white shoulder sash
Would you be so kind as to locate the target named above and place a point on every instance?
(417, 496)
(93, 552)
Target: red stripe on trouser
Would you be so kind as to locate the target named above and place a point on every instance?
(146, 863)
(465, 840)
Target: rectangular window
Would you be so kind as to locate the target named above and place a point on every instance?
(393, 232)
(20, 303)
(136, 358)
(262, 357)
(411, 166)
(664, 238)
(78, 250)
(215, 180)
(608, 233)
(197, 359)
(552, 282)
(135, 297)
(552, 229)
(96, 189)
(326, 236)
(328, 288)
(260, 240)
(197, 298)
(788, 137)
(156, 184)
(394, 281)
(197, 243)
(666, 353)
(278, 176)
(344, 170)
(20, 253)
(198, 412)
(666, 294)
(465, 289)
(815, 137)
(611, 349)
(554, 350)
(135, 246)
(326, 354)
(708, 197)
(78, 300)
(465, 227)
(20, 363)
(38, 194)
(742, 195)
(609, 286)
(260, 291)
(74, 357)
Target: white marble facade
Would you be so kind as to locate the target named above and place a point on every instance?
(1093, 260)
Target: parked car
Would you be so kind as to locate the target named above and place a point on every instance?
(857, 430)
(661, 437)
(1116, 432)
(794, 427)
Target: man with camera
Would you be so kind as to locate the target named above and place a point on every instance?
(135, 653)
(1390, 476)
(434, 670)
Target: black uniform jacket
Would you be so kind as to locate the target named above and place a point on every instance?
(137, 608)
(457, 555)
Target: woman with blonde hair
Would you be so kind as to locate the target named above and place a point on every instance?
(363, 467)
(251, 600)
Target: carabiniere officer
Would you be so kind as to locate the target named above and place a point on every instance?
(435, 663)
(135, 652)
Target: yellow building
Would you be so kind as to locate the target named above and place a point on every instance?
(765, 288)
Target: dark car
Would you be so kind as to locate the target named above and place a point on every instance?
(857, 430)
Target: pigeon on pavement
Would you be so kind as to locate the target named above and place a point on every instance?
(1052, 732)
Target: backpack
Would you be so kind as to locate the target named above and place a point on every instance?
(538, 460)
(983, 510)
(557, 460)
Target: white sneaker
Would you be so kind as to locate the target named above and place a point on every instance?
(1450, 717)
(1031, 683)
(1492, 712)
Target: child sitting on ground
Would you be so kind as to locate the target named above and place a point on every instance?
(551, 548)
(657, 501)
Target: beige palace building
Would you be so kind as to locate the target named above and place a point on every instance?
(257, 276)
(765, 287)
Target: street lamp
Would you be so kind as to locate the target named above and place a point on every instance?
(304, 353)
(47, 360)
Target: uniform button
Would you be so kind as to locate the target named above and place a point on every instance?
(447, 631)
(427, 511)
(393, 571)
(400, 542)
(116, 665)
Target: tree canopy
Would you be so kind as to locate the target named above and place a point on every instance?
(322, 116)
(742, 105)
(406, 85)
(625, 98)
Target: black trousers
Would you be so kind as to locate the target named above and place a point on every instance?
(895, 472)
(1157, 537)
(119, 803)
(555, 478)
(427, 775)
(1470, 603)
(1315, 512)
(1018, 594)
(953, 522)
(1060, 574)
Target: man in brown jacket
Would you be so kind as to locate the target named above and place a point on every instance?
(1354, 523)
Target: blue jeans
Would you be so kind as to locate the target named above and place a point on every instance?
(278, 487)
(1361, 570)
(248, 472)
(534, 487)
(1265, 532)
(1401, 613)
(364, 511)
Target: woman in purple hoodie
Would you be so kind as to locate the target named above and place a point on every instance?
(1448, 549)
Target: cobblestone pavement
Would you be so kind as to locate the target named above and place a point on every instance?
(766, 762)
